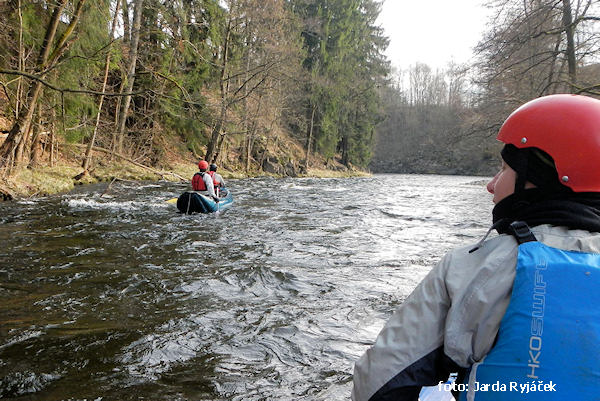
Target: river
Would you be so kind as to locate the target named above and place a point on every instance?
(116, 296)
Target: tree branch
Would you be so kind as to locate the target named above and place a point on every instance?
(110, 152)
(68, 90)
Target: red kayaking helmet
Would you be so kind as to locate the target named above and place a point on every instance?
(203, 165)
(566, 127)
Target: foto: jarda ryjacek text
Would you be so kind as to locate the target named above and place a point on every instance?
(523, 388)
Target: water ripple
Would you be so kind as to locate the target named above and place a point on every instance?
(117, 296)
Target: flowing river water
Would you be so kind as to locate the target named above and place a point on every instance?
(119, 297)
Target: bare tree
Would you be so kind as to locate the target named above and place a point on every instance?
(126, 23)
(252, 70)
(535, 48)
(224, 92)
(133, 56)
(88, 152)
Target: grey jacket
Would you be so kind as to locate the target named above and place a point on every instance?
(453, 315)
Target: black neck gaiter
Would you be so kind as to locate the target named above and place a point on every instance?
(536, 206)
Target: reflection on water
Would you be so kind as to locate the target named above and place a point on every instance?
(119, 297)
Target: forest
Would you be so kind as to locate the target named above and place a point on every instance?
(249, 84)
(446, 121)
(275, 86)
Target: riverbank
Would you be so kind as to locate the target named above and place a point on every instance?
(65, 176)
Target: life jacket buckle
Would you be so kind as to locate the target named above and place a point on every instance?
(521, 231)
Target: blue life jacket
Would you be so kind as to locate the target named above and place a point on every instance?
(548, 344)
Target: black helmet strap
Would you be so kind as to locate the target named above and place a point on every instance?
(533, 165)
(518, 160)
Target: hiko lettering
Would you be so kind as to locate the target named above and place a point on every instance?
(537, 319)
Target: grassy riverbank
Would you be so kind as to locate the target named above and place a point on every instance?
(43, 181)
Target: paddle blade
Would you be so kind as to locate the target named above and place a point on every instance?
(174, 200)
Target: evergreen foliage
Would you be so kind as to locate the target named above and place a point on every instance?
(231, 78)
(344, 49)
(244, 70)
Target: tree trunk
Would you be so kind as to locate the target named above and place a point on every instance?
(551, 82)
(126, 27)
(346, 141)
(36, 140)
(214, 137)
(53, 144)
(24, 141)
(212, 144)
(251, 135)
(63, 40)
(309, 137)
(249, 143)
(21, 62)
(246, 125)
(345, 150)
(14, 141)
(219, 147)
(133, 54)
(88, 152)
(569, 32)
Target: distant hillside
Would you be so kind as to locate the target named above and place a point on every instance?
(431, 140)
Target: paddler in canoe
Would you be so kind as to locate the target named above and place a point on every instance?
(516, 316)
(203, 198)
(218, 181)
(202, 181)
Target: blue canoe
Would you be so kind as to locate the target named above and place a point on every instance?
(195, 202)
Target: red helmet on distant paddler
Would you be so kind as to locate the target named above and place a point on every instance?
(566, 127)
(203, 165)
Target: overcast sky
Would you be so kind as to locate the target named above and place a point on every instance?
(432, 31)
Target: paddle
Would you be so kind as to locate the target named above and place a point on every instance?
(173, 200)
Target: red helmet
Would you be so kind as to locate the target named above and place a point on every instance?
(203, 165)
(567, 127)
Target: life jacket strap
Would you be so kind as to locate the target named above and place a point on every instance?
(521, 231)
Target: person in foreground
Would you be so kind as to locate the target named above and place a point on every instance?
(203, 182)
(517, 316)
